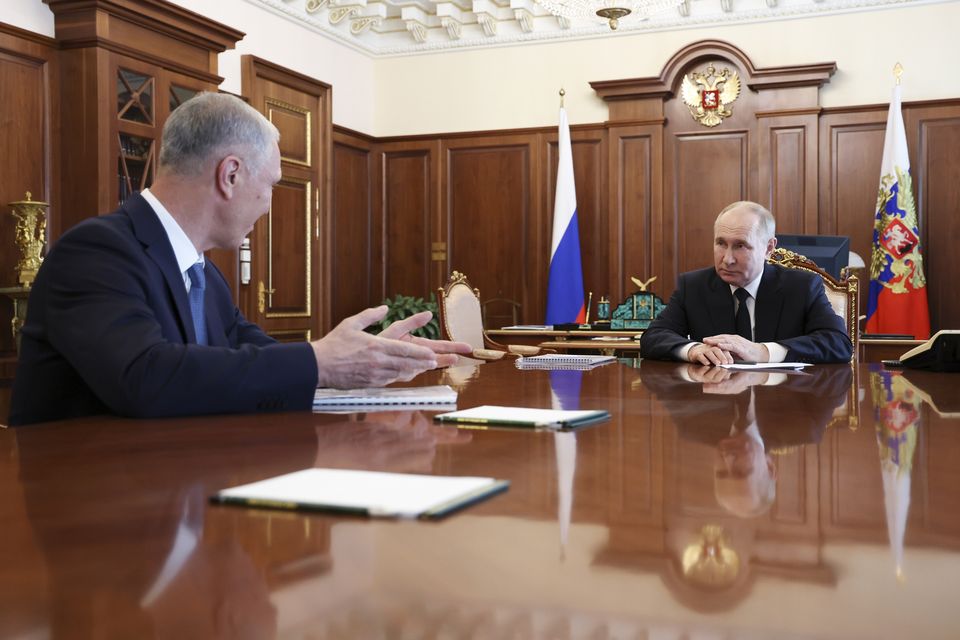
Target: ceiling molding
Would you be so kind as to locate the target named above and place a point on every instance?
(388, 28)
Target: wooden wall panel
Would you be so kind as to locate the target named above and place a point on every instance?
(787, 169)
(709, 172)
(494, 232)
(936, 177)
(29, 129)
(356, 254)
(852, 145)
(635, 188)
(408, 212)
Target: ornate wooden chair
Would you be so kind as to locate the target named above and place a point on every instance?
(843, 295)
(461, 319)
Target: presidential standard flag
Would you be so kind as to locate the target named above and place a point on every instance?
(897, 299)
(565, 285)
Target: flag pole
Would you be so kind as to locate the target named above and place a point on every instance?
(562, 93)
(897, 72)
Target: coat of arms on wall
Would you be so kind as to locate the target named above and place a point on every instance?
(709, 94)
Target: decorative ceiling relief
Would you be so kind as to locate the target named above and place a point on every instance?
(399, 27)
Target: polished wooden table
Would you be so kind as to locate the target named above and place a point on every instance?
(669, 521)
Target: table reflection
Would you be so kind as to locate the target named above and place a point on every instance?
(712, 503)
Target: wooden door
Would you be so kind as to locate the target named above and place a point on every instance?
(288, 290)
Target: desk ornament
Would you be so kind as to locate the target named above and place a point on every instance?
(638, 310)
(603, 312)
(31, 236)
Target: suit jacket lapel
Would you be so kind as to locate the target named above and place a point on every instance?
(768, 304)
(720, 305)
(150, 233)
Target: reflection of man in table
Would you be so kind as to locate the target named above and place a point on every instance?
(745, 416)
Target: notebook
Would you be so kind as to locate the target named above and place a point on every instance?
(367, 493)
(563, 361)
(438, 396)
(523, 417)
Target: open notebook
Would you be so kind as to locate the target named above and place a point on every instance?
(368, 493)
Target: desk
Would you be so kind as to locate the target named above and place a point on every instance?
(871, 350)
(614, 531)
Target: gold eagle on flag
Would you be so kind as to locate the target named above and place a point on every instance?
(709, 94)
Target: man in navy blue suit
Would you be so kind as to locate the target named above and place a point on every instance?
(126, 316)
(745, 309)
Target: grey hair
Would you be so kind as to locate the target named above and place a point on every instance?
(766, 224)
(210, 123)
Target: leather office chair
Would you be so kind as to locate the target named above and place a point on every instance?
(461, 319)
(843, 295)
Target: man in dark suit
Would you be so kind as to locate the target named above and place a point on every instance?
(127, 317)
(745, 309)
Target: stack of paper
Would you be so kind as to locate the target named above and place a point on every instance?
(748, 366)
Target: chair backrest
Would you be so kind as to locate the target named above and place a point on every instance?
(842, 294)
(460, 315)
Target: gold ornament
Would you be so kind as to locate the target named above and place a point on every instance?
(709, 94)
(30, 236)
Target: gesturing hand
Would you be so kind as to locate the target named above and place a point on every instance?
(348, 357)
(445, 350)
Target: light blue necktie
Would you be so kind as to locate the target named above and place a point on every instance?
(197, 284)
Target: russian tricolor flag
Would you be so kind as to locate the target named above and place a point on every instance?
(565, 285)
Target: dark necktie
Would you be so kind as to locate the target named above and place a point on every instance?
(197, 284)
(743, 314)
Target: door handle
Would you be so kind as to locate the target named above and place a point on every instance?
(262, 293)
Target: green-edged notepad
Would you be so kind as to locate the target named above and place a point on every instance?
(368, 493)
(523, 417)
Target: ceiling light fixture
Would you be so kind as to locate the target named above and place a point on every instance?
(610, 10)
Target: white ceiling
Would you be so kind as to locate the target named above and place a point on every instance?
(403, 27)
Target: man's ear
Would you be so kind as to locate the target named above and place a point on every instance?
(771, 245)
(228, 176)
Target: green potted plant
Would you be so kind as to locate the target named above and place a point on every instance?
(402, 306)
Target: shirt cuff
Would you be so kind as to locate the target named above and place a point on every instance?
(680, 353)
(778, 353)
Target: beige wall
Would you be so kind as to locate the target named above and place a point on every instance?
(517, 86)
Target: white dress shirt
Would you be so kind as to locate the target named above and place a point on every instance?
(183, 249)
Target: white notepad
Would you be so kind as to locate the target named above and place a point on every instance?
(524, 417)
(748, 366)
(441, 396)
(370, 493)
(563, 361)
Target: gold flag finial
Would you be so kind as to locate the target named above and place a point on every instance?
(897, 71)
(562, 93)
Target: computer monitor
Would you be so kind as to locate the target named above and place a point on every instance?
(830, 253)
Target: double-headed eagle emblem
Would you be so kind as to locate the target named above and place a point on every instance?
(709, 94)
